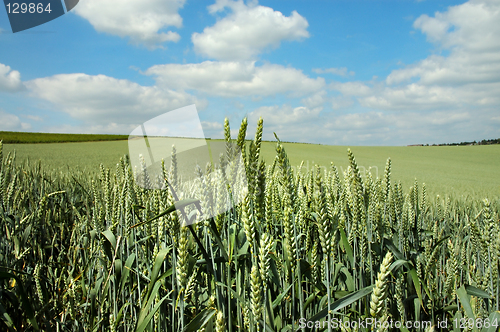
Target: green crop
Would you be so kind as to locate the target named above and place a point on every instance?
(95, 252)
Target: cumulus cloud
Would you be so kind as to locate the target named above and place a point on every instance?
(235, 79)
(335, 71)
(341, 102)
(473, 26)
(10, 80)
(11, 122)
(321, 98)
(373, 127)
(442, 98)
(469, 76)
(352, 88)
(247, 31)
(457, 69)
(412, 127)
(33, 117)
(141, 21)
(289, 123)
(314, 126)
(471, 32)
(315, 100)
(101, 100)
(418, 96)
(285, 114)
(107, 128)
(212, 129)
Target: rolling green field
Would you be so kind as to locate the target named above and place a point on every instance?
(455, 170)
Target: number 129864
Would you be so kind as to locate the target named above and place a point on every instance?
(478, 323)
(23, 8)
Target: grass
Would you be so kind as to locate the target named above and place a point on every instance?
(456, 170)
(461, 170)
(93, 251)
(75, 156)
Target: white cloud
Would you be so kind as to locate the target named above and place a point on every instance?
(11, 122)
(247, 31)
(33, 117)
(341, 102)
(469, 76)
(281, 115)
(471, 32)
(141, 21)
(472, 26)
(374, 127)
(471, 73)
(108, 128)
(457, 69)
(419, 96)
(289, 123)
(319, 99)
(211, 125)
(10, 80)
(335, 71)
(352, 88)
(303, 124)
(235, 79)
(101, 100)
(315, 100)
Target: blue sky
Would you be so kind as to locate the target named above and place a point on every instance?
(351, 72)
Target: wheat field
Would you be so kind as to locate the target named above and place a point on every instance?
(447, 170)
(96, 252)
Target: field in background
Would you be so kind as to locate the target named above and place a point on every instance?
(455, 170)
(461, 170)
(19, 137)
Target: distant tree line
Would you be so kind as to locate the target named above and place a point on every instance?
(483, 142)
